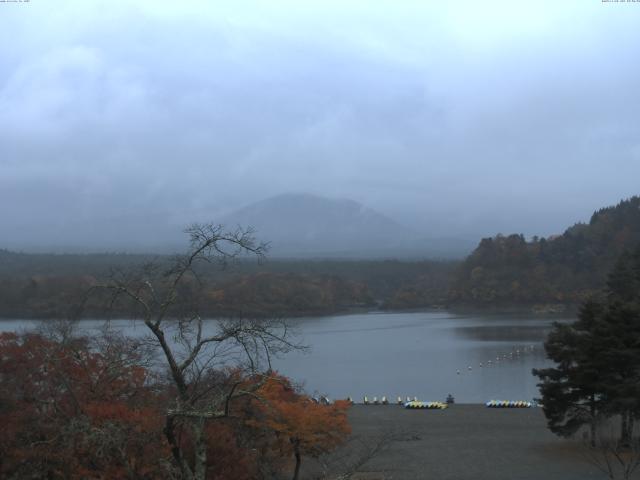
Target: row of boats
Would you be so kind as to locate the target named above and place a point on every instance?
(414, 403)
(508, 404)
(399, 401)
(426, 405)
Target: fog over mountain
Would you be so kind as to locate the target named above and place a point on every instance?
(121, 122)
(299, 223)
(309, 225)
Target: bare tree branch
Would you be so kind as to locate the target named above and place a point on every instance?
(190, 348)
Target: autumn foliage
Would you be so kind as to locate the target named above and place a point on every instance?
(92, 408)
(72, 412)
(298, 425)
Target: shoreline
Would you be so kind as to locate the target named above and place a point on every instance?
(542, 310)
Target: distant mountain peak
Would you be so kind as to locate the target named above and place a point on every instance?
(293, 199)
(304, 223)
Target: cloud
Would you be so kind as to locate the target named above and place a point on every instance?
(459, 120)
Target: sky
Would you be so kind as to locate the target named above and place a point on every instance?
(121, 120)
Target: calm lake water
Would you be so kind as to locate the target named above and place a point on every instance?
(415, 354)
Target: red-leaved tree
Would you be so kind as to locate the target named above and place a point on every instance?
(296, 425)
(77, 408)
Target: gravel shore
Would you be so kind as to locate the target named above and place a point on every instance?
(464, 442)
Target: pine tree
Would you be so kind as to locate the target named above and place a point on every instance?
(620, 329)
(572, 392)
(597, 372)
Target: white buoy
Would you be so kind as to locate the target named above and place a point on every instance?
(469, 367)
(480, 364)
(458, 372)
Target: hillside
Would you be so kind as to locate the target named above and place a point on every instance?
(563, 269)
(309, 225)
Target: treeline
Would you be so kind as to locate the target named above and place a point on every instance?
(258, 295)
(52, 286)
(565, 269)
(503, 271)
(296, 294)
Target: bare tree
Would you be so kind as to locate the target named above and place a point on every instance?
(197, 352)
(610, 455)
(352, 459)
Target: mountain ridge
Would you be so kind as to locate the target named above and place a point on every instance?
(303, 224)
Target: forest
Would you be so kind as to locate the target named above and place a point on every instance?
(503, 271)
(563, 269)
(47, 286)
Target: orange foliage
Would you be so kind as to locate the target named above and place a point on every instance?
(300, 426)
(74, 409)
(69, 412)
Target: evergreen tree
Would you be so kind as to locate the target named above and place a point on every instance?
(620, 329)
(597, 372)
(572, 393)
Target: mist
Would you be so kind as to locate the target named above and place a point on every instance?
(122, 123)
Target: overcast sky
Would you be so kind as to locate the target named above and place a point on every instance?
(457, 118)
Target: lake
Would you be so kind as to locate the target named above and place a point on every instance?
(424, 354)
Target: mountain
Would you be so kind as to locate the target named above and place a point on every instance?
(564, 268)
(299, 225)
